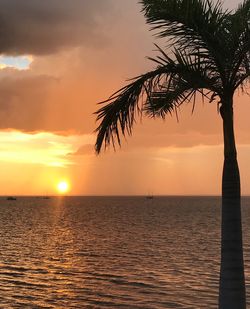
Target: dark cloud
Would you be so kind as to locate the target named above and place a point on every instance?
(23, 100)
(34, 100)
(45, 26)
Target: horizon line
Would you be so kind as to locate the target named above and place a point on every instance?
(115, 195)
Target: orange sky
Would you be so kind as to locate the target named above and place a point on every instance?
(81, 52)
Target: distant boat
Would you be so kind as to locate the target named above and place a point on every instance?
(11, 198)
(46, 197)
(149, 197)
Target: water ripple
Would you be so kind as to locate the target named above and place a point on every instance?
(112, 252)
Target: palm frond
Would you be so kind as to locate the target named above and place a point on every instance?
(193, 24)
(155, 93)
(240, 43)
(191, 76)
(122, 108)
(222, 36)
(243, 10)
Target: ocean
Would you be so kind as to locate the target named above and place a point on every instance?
(110, 252)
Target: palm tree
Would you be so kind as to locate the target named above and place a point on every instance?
(208, 56)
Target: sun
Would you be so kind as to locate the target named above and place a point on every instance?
(63, 187)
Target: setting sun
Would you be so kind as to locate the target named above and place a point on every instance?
(63, 187)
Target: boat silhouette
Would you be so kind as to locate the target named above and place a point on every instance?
(11, 198)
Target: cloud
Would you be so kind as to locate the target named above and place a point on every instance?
(41, 148)
(60, 91)
(42, 27)
(84, 150)
(24, 100)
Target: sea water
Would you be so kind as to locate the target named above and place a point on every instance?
(108, 252)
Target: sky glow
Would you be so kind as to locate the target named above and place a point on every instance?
(43, 148)
(18, 62)
(63, 66)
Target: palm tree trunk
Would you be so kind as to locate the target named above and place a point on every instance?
(232, 293)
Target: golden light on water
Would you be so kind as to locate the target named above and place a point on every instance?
(63, 187)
